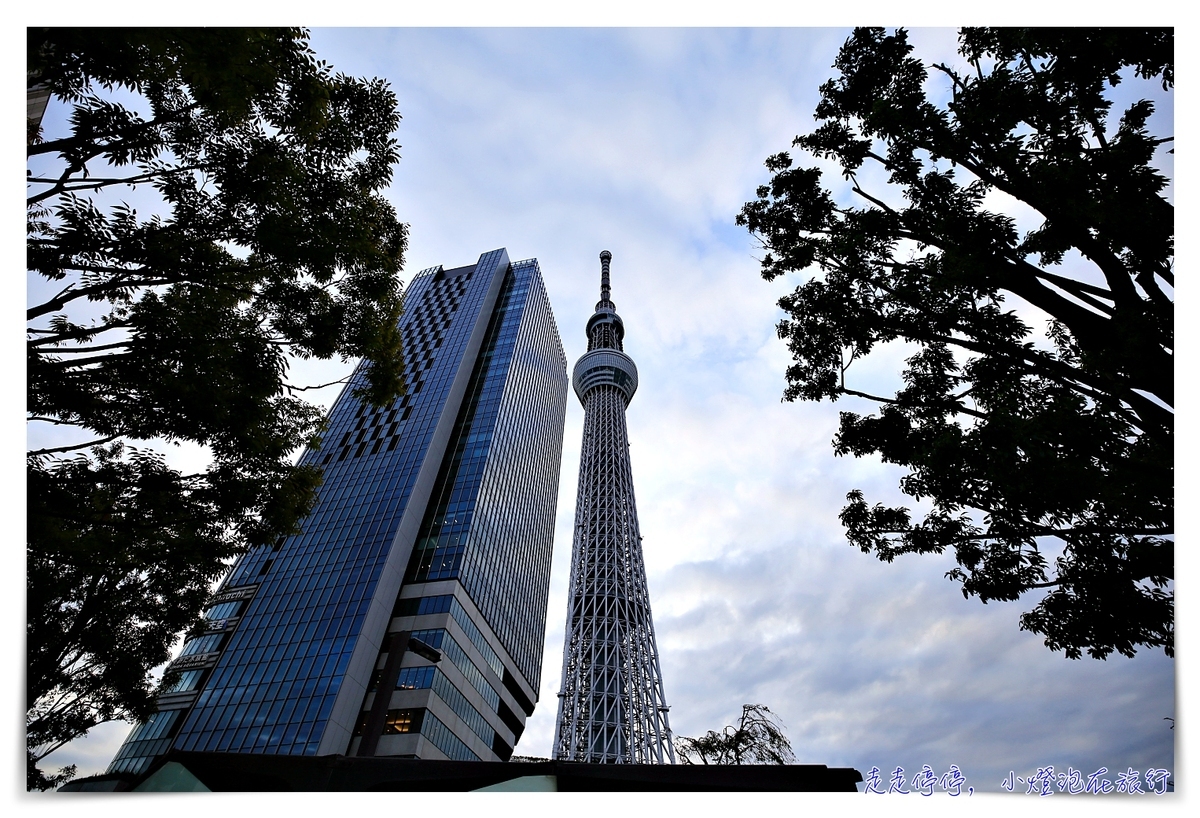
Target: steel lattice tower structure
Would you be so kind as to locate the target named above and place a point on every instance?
(611, 706)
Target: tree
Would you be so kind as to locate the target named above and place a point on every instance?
(757, 739)
(1028, 446)
(267, 238)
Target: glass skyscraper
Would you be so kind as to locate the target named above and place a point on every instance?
(434, 523)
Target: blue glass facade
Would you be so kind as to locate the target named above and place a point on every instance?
(298, 626)
(488, 521)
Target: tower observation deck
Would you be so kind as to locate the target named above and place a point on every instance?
(611, 706)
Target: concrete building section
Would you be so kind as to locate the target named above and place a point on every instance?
(431, 538)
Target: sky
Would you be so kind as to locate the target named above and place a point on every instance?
(560, 143)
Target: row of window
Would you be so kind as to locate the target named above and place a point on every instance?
(420, 720)
(188, 680)
(286, 725)
(140, 756)
(415, 678)
(224, 610)
(441, 638)
(147, 741)
(382, 434)
(209, 643)
(452, 696)
(159, 725)
(445, 740)
(446, 603)
(429, 677)
(439, 303)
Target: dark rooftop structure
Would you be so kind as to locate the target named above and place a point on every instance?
(242, 772)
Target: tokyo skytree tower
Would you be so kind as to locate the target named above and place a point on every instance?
(611, 707)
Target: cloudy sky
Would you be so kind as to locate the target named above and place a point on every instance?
(560, 143)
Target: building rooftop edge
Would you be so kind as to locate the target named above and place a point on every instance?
(248, 772)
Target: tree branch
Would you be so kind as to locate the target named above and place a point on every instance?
(124, 142)
(69, 294)
(957, 82)
(67, 185)
(1039, 532)
(958, 407)
(79, 362)
(53, 337)
(1115, 274)
(56, 351)
(1079, 289)
(1146, 415)
(38, 452)
(878, 203)
(291, 388)
(1022, 279)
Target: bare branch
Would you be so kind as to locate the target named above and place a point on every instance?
(53, 337)
(80, 362)
(291, 388)
(68, 185)
(38, 452)
(77, 351)
(956, 410)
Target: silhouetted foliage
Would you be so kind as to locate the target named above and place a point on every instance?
(267, 237)
(757, 739)
(1026, 444)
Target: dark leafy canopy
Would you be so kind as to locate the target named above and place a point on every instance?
(757, 739)
(1023, 446)
(268, 237)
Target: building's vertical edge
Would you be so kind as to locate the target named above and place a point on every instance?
(340, 727)
(524, 466)
(480, 735)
